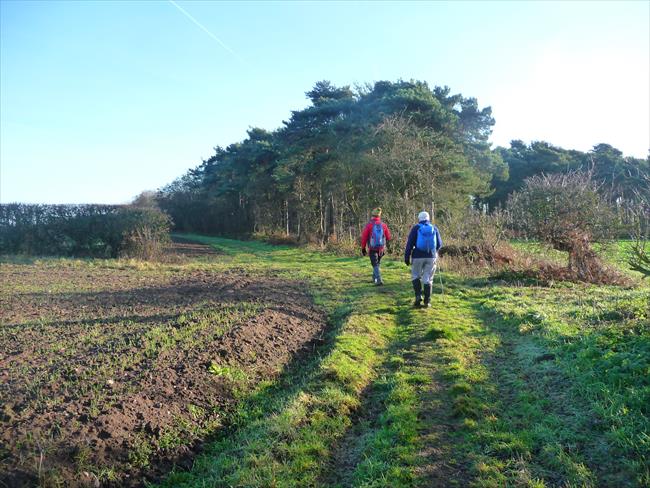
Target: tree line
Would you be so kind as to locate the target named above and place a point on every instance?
(105, 231)
(400, 145)
(623, 178)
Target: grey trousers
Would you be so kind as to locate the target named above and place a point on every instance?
(423, 269)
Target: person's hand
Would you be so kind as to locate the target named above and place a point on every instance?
(407, 261)
(363, 251)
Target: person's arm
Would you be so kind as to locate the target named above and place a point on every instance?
(438, 239)
(364, 237)
(410, 244)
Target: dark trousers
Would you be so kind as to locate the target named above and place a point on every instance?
(375, 257)
(375, 260)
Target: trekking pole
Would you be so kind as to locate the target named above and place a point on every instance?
(442, 288)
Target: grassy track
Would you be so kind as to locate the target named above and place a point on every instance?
(495, 385)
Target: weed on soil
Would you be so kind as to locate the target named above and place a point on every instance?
(122, 372)
(114, 372)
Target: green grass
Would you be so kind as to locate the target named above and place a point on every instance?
(283, 431)
(616, 253)
(581, 388)
(516, 386)
(550, 391)
(496, 385)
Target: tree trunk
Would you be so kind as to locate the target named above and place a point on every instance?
(332, 218)
(583, 261)
(322, 216)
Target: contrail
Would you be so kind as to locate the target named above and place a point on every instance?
(205, 29)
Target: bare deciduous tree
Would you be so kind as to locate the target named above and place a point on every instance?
(639, 255)
(569, 212)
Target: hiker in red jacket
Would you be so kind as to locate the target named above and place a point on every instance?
(375, 235)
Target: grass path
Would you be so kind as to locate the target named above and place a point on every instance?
(493, 386)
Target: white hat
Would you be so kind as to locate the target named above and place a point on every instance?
(423, 216)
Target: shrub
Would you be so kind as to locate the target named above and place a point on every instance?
(144, 243)
(639, 258)
(477, 238)
(569, 212)
(77, 230)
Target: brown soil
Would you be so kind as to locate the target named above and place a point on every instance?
(105, 373)
(191, 249)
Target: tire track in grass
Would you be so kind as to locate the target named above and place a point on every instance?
(280, 437)
(436, 464)
(401, 434)
(438, 335)
(349, 451)
(455, 396)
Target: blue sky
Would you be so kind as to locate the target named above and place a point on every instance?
(101, 100)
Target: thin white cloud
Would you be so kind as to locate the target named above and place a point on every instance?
(205, 29)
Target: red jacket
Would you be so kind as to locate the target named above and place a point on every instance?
(365, 235)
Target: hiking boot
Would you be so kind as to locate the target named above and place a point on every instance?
(427, 295)
(417, 288)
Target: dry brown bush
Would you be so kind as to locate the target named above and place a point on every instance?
(568, 212)
(473, 238)
(145, 244)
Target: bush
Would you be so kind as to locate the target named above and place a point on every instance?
(144, 243)
(639, 257)
(569, 212)
(78, 230)
(477, 238)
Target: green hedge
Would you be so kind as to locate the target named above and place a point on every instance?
(76, 230)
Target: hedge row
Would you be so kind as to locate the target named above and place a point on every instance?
(77, 230)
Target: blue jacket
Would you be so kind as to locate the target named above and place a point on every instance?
(414, 252)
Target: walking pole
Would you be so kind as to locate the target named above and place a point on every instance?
(442, 288)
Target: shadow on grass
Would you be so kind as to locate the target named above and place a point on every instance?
(532, 420)
(295, 379)
(167, 304)
(350, 449)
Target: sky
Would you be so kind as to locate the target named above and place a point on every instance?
(102, 100)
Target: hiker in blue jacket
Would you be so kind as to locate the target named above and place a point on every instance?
(421, 254)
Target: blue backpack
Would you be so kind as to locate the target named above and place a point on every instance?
(377, 237)
(426, 238)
